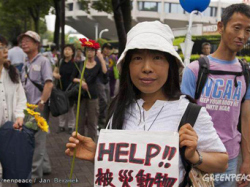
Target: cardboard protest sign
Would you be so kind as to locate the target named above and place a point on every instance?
(137, 158)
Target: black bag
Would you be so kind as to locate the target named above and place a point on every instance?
(58, 101)
(193, 176)
(16, 151)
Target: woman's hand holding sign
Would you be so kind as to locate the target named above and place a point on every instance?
(189, 138)
(85, 147)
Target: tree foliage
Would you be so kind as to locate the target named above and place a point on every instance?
(100, 5)
(18, 16)
(103, 5)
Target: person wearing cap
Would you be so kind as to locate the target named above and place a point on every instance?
(103, 87)
(149, 99)
(89, 107)
(38, 69)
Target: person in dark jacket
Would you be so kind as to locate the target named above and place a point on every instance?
(63, 73)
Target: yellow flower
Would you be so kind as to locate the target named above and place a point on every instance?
(31, 112)
(111, 63)
(31, 106)
(42, 123)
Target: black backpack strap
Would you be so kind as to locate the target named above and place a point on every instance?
(39, 86)
(246, 73)
(204, 71)
(219, 72)
(202, 76)
(190, 117)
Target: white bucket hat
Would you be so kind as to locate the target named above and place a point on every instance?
(151, 35)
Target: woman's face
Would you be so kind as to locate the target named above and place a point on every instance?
(3, 53)
(90, 52)
(78, 52)
(68, 52)
(149, 71)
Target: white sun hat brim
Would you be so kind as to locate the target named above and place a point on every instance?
(153, 36)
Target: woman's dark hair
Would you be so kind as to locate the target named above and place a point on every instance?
(15, 42)
(14, 75)
(53, 47)
(3, 40)
(73, 49)
(234, 8)
(128, 93)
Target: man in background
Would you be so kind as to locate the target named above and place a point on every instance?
(205, 49)
(38, 69)
(16, 55)
(222, 89)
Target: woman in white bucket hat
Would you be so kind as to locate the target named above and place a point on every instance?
(149, 99)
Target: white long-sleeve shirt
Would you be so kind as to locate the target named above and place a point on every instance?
(12, 99)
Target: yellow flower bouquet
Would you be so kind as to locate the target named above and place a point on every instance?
(33, 120)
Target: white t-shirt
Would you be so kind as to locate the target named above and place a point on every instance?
(16, 55)
(169, 117)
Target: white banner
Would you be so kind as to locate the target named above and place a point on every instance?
(137, 158)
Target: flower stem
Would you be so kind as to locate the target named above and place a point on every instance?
(60, 83)
(83, 79)
(89, 94)
(77, 118)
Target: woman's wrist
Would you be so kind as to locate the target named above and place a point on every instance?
(195, 158)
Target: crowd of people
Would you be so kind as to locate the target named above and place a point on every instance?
(149, 96)
(23, 65)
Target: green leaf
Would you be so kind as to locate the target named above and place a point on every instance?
(31, 125)
(100, 5)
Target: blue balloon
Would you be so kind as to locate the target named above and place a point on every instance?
(191, 5)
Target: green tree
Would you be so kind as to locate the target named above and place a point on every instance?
(12, 24)
(101, 5)
(47, 35)
(26, 10)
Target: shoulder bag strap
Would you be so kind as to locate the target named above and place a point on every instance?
(39, 86)
(190, 117)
